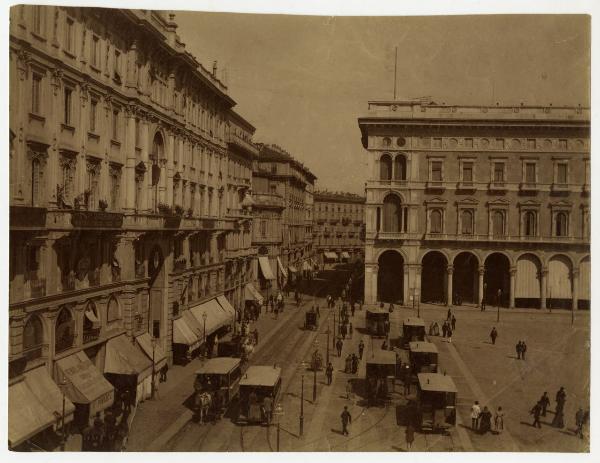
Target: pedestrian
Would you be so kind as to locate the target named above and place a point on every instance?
(453, 323)
(579, 421)
(493, 335)
(499, 420)
(329, 373)
(449, 315)
(410, 435)
(449, 333)
(348, 364)
(536, 411)
(485, 421)
(354, 364)
(318, 312)
(523, 349)
(268, 408)
(361, 348)
(544, 402)
(350, 330)
(518, 349)
(384, 345)
(349, 389)
(346, 420)
(163, 372)
(561, 398)
(444, 329)
(97, 435)
(353, 308)
(391, 308)
(339, 344)
(475, 412)
(386, 327)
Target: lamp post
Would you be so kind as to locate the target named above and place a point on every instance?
(499, 296)
(153, 368)
(334, 331)
(316, 343)
(204, 316)
(63, 435)
(303, 365)
(418, 303)
(278, 412)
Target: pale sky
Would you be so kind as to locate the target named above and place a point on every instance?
(302, 81)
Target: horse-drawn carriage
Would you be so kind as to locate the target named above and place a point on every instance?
(311, 320)
(259, 391)
(216, 385)
(240, 346)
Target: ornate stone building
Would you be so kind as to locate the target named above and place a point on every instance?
(338, 233)
(470, 202)
(129, 178)
(283, 188)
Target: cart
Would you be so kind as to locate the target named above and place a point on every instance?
(377, 322)
(310, 322)
(423, 357)
(413, 329)
(380, 375)
(436, 402)
(258, 383)
(219, 377)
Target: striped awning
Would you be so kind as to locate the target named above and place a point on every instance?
(265, 267)
(282, 268)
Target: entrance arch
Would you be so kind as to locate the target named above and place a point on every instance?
(466, 277)
(390, 278)
(497, 277)
(559, 285)
(434, 280)
(528, 284)
(584, 283)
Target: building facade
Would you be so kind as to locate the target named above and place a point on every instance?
(338, 233)
(469, 204)
(280, 179)
(127, 187)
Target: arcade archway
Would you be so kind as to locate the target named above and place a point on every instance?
(465, 278)
(434, 277)
(497, 277)
(390, 278)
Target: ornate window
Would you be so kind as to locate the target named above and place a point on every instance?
(38, 24)
(115, 187)
(498, 224)
(37, 160)
(436, 173)
(561, 221)
(435, 221)
(70, 35)
(530, 223)
(68, 106)
(93, 179)
(64, 333)
(400, 167)
(498, 172)
(466, 221)
(140, 171)
(36, 93)
(392, 214)
(113, 311)
(33, 336)
(385, 167)
(93, 114)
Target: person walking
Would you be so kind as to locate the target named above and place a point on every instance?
(343, 331)
(561, 398)
(449, 315)
(410, 435)
(475, 412)
(348, 364)
(536, 411)
(268, 408)
(329, 373)
(350, 330)
(485, 421)
(523, 349)
(499, 420)
(544, 402)
(518, 349)
(444, 329)
(339, 344)
(493, 335)
(348, 389)
(449, 334)
(346, 420)
(453, 323)
(353, 308)
(579, 421)
(361, 349)
(354, 364)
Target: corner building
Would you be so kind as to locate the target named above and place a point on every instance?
(129, 177)
(471, 203)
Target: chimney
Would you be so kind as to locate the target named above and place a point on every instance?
(214, 73)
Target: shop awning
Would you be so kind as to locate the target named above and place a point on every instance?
(183, 334)
(306, 266)
(292, 269)
(145, 342)
(345, 255)
(251, 294)
(265, 267)
(331, 255)
(27, 415)
(216, 317)
(85, 384)
(224, 302)
(125, 358)
(282, 268)
(194, 326)
(47, 391)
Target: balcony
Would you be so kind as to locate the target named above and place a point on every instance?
(497, 186)
(505, 238)
(96, 219)
(27, 217)
(435, 185)
(91, 335)
(268, 200)
(237, 141)
(529, 187)
(37, 285)
(34, 352)
(180, 264)
(94, 277)
(560, 188)
(466, 186)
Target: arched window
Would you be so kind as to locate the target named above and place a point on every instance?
(156, 155)
(529, 224)
(385, 167)
(33, 336)
(392, 214)
(436, 221)
(466, 219)
(91, 323)
(113, 311)
(400, 168)
(561, 224)
(64, 330)
(498, 223)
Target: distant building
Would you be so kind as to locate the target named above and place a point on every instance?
(338, 233)
(283, 227)
(471, 203)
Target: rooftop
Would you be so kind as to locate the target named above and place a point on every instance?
(324, 195)
(272, 152)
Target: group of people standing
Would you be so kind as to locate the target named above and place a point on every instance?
(481, 420)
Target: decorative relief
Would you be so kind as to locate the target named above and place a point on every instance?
(515, 144)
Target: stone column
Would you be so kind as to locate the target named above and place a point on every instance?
(449, 292)
(543, 284)
(513, 272)
(575, 295)
(128, 177)
(480, 286)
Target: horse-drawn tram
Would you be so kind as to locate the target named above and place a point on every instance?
(423, 357)
(413, 329)
(378, 322)
(259, 392)
(380, 375)
(436, 402)
(217, 384)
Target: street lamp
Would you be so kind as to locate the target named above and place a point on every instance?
(316, 343)
(334, 331)
(498, 305)
(278, 412)
(304, 366)
(153, 341)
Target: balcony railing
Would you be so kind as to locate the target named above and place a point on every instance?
(561, 188)
(503, 238)
(497, 186)
(91, 335)
(64, 343)
(435, 185)
(34, 352)
(529, 186)
(68, 282)
(37, 285)
(94, 277)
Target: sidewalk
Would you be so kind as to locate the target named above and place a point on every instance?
(159, 420)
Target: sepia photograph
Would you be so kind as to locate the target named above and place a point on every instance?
(252, 232)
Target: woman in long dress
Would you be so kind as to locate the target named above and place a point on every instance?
(499, 420)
